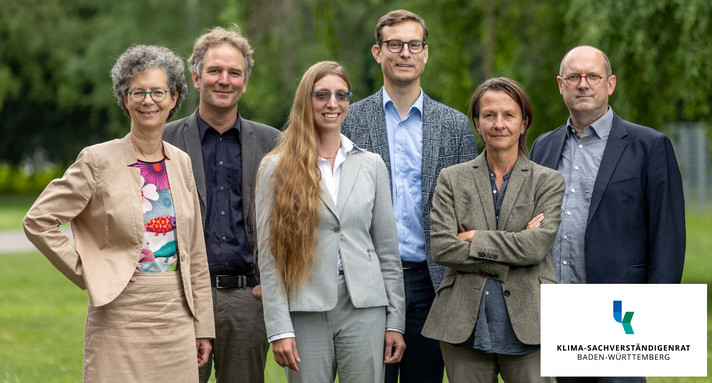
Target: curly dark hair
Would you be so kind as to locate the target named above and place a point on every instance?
(140, 58)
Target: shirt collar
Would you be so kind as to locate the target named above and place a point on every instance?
(492, 173)
(344, 149)
(600, 127)
(203, 126)
(417, 105)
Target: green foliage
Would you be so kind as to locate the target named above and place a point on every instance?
(659, 52)
(55, 57)
(19, 180)
(14, 208)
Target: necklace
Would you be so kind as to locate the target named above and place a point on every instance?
(326, 157)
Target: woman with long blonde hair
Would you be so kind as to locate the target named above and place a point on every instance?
(328, 254)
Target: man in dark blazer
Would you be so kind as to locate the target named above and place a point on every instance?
(226, 150)
(416, 137)
(623, 214)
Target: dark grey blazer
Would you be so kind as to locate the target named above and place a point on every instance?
(516, 257)
(635, 232)
(448, 139)
(256, 140)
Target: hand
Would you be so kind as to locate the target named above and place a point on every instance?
(257, 291)
(285, 353)
(535, 222)
(466, 236)
(203, 347)
(395, 345)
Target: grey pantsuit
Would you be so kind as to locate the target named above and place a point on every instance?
(360, 226)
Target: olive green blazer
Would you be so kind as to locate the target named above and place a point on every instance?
(517, 257)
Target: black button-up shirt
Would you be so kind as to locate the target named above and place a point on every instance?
(225, 236)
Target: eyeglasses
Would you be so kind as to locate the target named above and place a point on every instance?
(138, 95)
(591, 78)
(396, 46)
(325, 95)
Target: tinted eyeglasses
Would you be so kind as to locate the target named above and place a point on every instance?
(325, 95)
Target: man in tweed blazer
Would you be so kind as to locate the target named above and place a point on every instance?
(416, 137)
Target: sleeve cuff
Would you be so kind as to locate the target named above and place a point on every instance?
(280, 336)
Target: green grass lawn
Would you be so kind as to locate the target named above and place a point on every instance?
(13, 208)
(42, 314)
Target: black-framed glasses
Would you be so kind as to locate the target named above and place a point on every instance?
(325, 95)
(396, 46)
(591, 79)
(138, 95)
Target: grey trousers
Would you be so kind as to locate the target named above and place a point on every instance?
(240, 346)
(608, 379)
(464, 364)
(347, 339)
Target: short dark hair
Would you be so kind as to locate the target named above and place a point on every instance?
(395, 17)
(515, 91)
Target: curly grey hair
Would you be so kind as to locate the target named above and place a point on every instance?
(218, 36)
(140, 58)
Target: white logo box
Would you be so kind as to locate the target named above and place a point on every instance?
(581, 337)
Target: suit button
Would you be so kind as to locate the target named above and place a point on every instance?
(506, 293)
(337, 229)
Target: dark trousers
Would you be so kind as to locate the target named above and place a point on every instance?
(240, 346)
(422, 361)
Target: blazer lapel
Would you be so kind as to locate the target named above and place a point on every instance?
(431, 149)
(551, 160)
(191, 135)
(249, 164)
(617, 141)
(326, 198)
(482, 184)
(516, 179)
(134, 204)
(349, 173)
(379, 137)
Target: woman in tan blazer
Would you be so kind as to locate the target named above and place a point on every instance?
(494, 220)
(139, 249)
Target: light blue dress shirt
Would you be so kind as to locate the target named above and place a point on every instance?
(405, 148)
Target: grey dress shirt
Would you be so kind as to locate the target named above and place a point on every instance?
(579, 163)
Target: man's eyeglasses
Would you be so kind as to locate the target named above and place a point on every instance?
(138, 95)
(325, 95)
(396, 46)
(591, 79)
